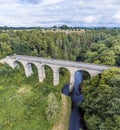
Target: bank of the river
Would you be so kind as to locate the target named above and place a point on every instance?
(63, 123)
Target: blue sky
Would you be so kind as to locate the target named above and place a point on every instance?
(58, 12)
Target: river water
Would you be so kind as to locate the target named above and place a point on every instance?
(75, 122)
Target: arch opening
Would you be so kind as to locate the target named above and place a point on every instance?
(64, 76)
(85, 74)
(18, 66)
(34, 71)
(48, 74)
(80, 76)
(19, 69)
(64, 80)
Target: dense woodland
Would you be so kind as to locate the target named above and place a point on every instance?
(27, 104)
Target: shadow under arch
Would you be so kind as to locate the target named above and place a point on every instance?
(19, 69)
(18, 65)
(64, 76)
(34, 70)
(85, 74)
(80, 77)
(48, 73)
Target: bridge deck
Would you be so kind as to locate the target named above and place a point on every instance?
(59, 62)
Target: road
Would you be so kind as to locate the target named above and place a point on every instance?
(63, 63)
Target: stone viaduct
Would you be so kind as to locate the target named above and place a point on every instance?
(55, 65)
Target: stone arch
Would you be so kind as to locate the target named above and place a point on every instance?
(18, 64)
(85, 73)
(72, 71)
(24, 64)
(71, 66)
(27, 66)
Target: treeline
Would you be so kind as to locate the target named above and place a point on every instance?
(97, 46)
(62, 27)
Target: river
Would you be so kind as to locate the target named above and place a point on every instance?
(76, 120)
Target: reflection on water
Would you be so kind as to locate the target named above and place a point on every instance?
(76, 98)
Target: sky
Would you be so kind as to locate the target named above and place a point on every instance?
(47, 13)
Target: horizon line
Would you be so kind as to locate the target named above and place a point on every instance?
(59, 26)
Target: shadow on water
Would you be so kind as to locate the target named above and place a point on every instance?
(76, 118)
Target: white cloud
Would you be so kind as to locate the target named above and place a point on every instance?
(79, 3)
(8, 1)
(117, 16)
(46, 2)
(51, 12)
(90, 19)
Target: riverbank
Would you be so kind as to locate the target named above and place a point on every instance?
(63, 123)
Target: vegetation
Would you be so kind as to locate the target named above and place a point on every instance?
(102, 101)
(27, 104)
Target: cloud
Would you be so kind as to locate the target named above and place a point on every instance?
(58, 12)
(117, 16)
(46, 2)
(90, 19)
(31, 1)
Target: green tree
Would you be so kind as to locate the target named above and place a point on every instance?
(5, 49)
(102, 101)
(107, 57)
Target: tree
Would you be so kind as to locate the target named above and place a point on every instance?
(65, 27)
(5, 49)
(102, 101)
(107, 57)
